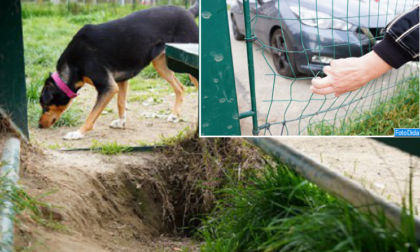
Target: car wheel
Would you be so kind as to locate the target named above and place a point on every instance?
(236, 33)
(284, 63)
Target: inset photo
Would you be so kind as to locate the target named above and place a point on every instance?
(309, 68)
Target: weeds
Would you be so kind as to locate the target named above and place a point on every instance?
(194, 168)
(109, 148)
(71, 117)
(277, 210)
(401, 111)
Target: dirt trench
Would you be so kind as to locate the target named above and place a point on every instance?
(99, 203)
(130, 202)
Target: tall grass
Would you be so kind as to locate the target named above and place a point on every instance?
(401, 111)
(105, 10)
(48, 28)
(277, 210)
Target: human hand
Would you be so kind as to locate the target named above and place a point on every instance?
(346, 75)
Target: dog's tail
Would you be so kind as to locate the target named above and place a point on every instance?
(194, 9)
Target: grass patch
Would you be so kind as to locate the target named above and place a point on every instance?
(401, 111)
(48, 28)
(150, 99)
(109, 148)
(277, 210)
(72, 117)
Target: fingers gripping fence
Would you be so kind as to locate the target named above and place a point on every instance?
(293, 41)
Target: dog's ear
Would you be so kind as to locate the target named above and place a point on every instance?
(46, 95)
(47, 92)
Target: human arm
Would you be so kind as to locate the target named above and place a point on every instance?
(400, 45)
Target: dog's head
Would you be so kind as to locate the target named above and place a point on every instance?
(53, 102)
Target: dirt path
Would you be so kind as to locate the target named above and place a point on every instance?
(101, 203)
(140, 127)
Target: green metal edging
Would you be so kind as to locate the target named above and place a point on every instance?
(333, 182)
(10, 169)
(129, 149)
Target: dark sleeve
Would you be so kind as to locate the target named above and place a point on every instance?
(401, 42)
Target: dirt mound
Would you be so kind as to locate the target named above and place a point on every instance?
(130, 202)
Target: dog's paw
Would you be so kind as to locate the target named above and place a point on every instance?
(117, 124)
(173, 118)
(74, 135)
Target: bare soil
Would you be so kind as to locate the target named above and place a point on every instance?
(101, 203)
(131, 202)
(139, 127)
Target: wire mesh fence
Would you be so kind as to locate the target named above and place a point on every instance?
(294, 40)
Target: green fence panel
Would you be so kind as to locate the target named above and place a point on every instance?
(12, 70)
(284, 99)
(219, 107)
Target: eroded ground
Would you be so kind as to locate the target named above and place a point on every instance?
(100, 204)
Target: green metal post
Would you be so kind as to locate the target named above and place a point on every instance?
(249, 40)
(219, 105)
(12, 65)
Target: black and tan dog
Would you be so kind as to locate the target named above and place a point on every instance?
(109, 54)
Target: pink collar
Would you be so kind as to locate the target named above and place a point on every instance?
(61, 85)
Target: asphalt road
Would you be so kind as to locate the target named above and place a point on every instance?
(269, 87)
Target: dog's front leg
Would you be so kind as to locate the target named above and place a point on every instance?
(102, 101)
